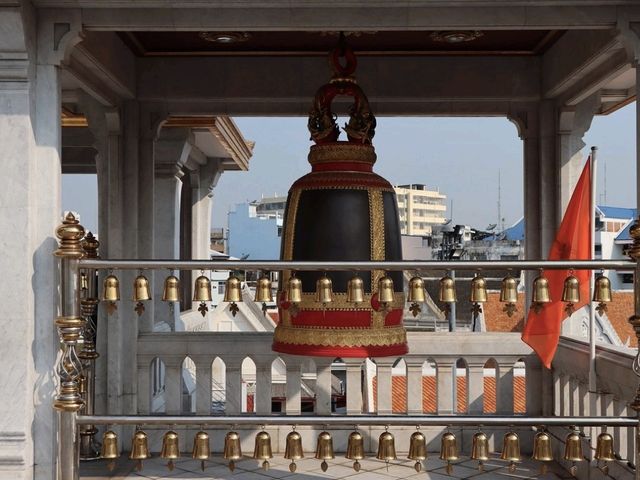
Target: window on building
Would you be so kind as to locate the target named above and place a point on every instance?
(627, 278)
(221, 286)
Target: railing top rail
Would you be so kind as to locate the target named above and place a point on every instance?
(356, 265)
(360, 420)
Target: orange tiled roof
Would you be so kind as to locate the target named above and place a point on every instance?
(497, 320)
(618, 313)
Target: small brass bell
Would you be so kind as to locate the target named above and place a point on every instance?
(109, 450)
(171, 292)
(571, 290)
(385, 290)
(139, 448)
(355, 290)
(111, 292)
(447, 290)
(293, 449)
(232, 450)
(542, 449)
(417, 449)
(449, 450)
(602, 290)
(386, 447)
(355, 449)
(263, 290)
(480, 449)
(141, 289)
(416, 290)
(509, 290)
(202, 289)
(573, 451)
(478, 290)
(324, 290)
(324, 449)
(233, 292)
(262, 449)
(201, 450)
(511, 450)
(170, 448)
(294, 290)
(604, 451)
(540, 294)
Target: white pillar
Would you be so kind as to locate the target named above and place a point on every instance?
(323, 385)
(445, 384)
(233, 397)
(263, 385)
(294, 384)
(476, 388)
(203, 384)
(504, 388)
(354, 385)
(414, 385)
(384, 385)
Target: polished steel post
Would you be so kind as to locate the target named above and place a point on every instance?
(89, 447)
(70, 327)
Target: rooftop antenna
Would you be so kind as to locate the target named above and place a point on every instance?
(500, 219)
(605, 183)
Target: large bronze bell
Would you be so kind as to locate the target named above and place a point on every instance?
(262, 449)
(571, 290)
(602, 290)
(324, 449)
(201, 449)
(171, 291)
(293, 449)
(511, 450)
(386, 447)
(385, 290)
(263, 290)
(111, 289)
(355, 449)
(573, 451)
(449, 450)
(141, 289)
(417, 449)
(480, 449)
(604, 451)
(416, 290)
(170, 448)
(324, 290)
(342, 211)
(109, 450)
(139, 448)
(509, 290)
(202, 289)
(447, 292)
(232, 450)
(478, 290)
(233, 290)
(542, 451)
(294, 290)
(355, 290)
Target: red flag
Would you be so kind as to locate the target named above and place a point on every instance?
(572, 242)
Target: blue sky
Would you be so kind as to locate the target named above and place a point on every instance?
(459, 156)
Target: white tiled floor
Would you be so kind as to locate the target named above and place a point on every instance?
(309, 469)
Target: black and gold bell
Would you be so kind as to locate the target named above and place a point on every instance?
(232, 450)
(511, 450)
(416, 290)
(324, 449)
(324, 290)
(386, 447)
(385, 290)
(201, 449)
(449, 450)
(480, 449)
(262, 449)
(171, 291)
(602, 290)
(604, 451)
(355, 290)
(293, 449)
(509, 290)
(571, 290)
(294, 290)
(417, 449)
(355, 449)
(139, 448)
(170, 448)
(478, 290)
(111, 289)
(573, 451)
(109, 450)
(263, 290)
(447, 292)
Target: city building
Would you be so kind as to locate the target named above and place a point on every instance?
(420, 209)
(253, 234)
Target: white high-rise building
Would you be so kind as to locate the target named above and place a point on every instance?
(420, 209)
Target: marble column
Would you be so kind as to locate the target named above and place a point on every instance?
(323, 385)
(446, 372)
(476, 388)
(354, 385)
(504, 388)
(414, 385)
(384, 399)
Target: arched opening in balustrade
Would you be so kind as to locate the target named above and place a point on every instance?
(429, 386)
(519, 386)
(278, 385)
(461, 376)
(369, 386)
(309, 374)
(248, 372)
(399, 387)
(188, 386)
(489, 386)
(218, 386)
(338, 386)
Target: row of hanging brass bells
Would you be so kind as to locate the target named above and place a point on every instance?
(355, 290)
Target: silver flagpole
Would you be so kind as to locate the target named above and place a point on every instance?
(592, 313)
